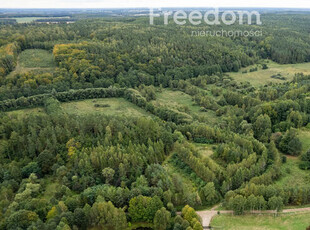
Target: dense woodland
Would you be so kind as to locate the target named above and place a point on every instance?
(63, 171)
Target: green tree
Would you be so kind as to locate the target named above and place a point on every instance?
(106, 216)
(45, 161)
(189, 214)
(290, 143)
(142, 208)
(275, 203)
(209, 194)
(251, 203)
(261, 203)
(305, 161)
(295, 118)
(273, 154)
(197, 225)
(238, 204)
(262, 128)
(162, 219)
(108, 174)
(80, 218)
(21, 219)
(32, 167)
(63, 225)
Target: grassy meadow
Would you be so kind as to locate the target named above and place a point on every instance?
(32, 19)
(262, 76)
(205, 150)
(292, 175)
(177, 99)
(108, 106)
(262, 222)
(171, 169)
(36, 58)
(26, 112)
(183, 103)
(304, 136)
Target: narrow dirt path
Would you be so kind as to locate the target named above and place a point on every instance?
(291, 210)
(207, 215)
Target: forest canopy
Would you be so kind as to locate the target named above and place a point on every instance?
(203, 137)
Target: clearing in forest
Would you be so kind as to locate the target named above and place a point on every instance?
(251, 222)
(292, 175)
(183, 102)
(104, 106)
(304, 136)
(205, 150)
(36, 58)
(263, 76)
(107, 106)
(26, 112)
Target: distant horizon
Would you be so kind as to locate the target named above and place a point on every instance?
(129, 4)
(170, 7)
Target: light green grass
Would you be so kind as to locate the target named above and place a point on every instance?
(262, 77)
(27, 19)
(25, 112)
(184, 103)
(292, 175)
(32, 19)
(36, 58)
(205, 150)
(299, 206)
(117, 106)
(185, 178)
(262, 222)
(36, 61)
(187, 181)
(177, 99)
(304, 136)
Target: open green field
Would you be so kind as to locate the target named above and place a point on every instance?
(110, 106)
(187, 180)
(304, 136)
(183, 102)
(26, 112)
(171, 169)
(262, 222)
(32, 19)
(115, 106)
(292, 175)
(36, 58)
(177, 99)
(262, 77)
(205, 150)
(27, 19)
